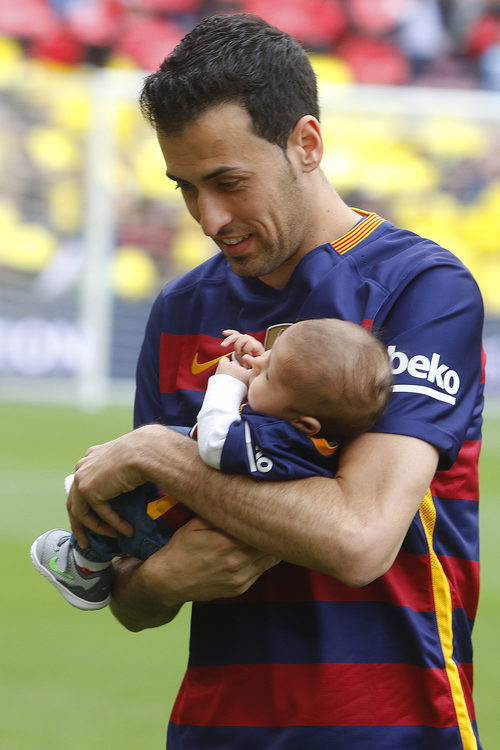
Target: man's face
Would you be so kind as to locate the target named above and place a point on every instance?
(243, 192)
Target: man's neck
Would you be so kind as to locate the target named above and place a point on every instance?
(331, 219)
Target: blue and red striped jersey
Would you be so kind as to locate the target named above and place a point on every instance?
(302, 660)
(268, 448)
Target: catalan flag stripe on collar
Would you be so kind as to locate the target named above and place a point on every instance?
(357, 233)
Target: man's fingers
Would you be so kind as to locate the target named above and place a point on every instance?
(79, 532)
(262, 561)
(268, 561)
(110, 519)
(89, 520)
(107, 523)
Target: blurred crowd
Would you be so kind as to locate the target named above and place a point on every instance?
(438, 174)
(436, 42)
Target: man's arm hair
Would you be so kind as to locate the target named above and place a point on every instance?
(350, 527)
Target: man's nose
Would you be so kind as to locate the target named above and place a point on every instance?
(212, 213)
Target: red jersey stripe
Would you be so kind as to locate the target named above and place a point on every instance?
(461, 481)
(406, 584)
(464, 582)
(317, 694)
(187, 361)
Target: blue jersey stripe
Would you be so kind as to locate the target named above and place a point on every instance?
(456, 532)
(314, 738)
(237, 633)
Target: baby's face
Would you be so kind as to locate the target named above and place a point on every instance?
(268, 391)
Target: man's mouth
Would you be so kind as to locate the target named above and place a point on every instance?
(234, 240)
(234, 247)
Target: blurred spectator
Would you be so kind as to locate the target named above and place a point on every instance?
(452, 169)
(59, 45)
(435, 42)
(483, 44)
(422, 34)
(146, 39)
(26, 19)
(316, 24)
(374, 60)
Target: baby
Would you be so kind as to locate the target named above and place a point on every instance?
(322, 383)
(326, 379)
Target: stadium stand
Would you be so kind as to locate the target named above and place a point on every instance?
(453, 42)
(436, 172)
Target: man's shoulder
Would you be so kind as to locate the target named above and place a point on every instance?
(394, 256)
(406, 248)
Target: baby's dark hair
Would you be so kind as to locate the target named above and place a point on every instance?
(233, 58)
(341, 374)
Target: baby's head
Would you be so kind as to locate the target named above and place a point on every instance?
(324, 375)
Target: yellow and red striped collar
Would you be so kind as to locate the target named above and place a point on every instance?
(358, 233)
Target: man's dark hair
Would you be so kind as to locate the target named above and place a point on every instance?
(233, 58)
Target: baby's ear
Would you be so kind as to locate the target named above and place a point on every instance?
(309, 425)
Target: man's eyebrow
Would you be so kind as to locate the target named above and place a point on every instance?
(205, 178)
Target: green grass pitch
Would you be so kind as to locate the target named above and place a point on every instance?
(72, 679)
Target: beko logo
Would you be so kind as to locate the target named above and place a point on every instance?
(444, 381)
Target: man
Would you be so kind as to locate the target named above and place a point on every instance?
(361, 636)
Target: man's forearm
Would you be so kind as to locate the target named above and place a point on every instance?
(265, 515)
(350, 527)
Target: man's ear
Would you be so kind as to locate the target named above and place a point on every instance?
(306, 143)
(309, 425)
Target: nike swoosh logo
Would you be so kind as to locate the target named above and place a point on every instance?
(197, 367)
(53, 566)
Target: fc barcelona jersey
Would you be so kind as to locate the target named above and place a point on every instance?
(272, 449)
(302, 661)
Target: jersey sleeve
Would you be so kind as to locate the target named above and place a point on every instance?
(271, 449)
(433, 333)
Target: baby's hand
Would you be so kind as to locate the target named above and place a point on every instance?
(244, 344)
(227, 366)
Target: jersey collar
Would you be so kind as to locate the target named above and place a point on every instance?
(369, 222)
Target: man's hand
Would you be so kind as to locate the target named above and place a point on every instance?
(104, 472)
(199, 563)
(204, 564)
